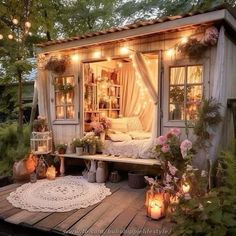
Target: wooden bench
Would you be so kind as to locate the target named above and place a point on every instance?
(108, 158)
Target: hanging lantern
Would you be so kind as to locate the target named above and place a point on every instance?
(51, 173)
(156, 203)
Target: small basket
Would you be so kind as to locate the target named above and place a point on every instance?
(136, 179)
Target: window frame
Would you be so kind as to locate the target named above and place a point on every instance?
(74, 103)
(185, 85)
(205, 63)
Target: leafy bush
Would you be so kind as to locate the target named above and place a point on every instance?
(213, 213)
(13, 146)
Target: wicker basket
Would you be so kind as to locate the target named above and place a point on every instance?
(136, 179)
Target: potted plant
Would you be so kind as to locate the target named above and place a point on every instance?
(61, 148)
(40, 124)
(78, 145)
(91, 141)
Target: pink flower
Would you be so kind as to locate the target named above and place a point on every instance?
(175, 131)
(97, 127)
(165, 148)
(161, 140)
(185, 146)
(172, 168)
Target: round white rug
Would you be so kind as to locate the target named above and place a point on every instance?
(59, 195)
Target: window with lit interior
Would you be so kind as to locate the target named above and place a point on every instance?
(64, 98)
(185, 92)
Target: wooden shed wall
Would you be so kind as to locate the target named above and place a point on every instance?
(65, 132)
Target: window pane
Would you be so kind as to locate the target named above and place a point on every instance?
(60, 112)
(59, 81)
(194, 74)
(69, 80)
(70, 112)
(176, 94)
(176, 111)
(192, 111)
(194, 93)
(60, 99)
(70, 98)
(177, 75)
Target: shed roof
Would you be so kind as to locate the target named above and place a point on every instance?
(145, 23)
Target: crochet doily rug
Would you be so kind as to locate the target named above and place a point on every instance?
(59, 195)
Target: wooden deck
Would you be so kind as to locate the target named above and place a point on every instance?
(121, 213)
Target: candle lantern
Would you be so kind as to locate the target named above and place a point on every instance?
(156, 203)
(41, 142)
(51, 173)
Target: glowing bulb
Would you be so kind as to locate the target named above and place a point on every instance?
(148, 62)
(186, 187)
(108, 59)
(119, 64)
(30, 33)
(10, 36)
(124, 50)
(27, 24)
(15, 21)
(134, 65)
(170, 52)
(96, 54)
(1, 36)
(184, 40)
(75, 57)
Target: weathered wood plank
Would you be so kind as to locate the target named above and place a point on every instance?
(86, 222)
(8, 191)
(123, 220)
(19, 217)
(52, 220)
(117, 207)
(72, 219)
(11, 186)
(35, 218)
(9, 212)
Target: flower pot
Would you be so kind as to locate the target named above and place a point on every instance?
(92, 149)
(79, 151)
(61, 150)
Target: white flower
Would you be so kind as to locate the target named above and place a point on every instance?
(189, 168)
(151, 181)
(203, 174)
(172, 168)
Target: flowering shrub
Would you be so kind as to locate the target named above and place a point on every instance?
(90, 139)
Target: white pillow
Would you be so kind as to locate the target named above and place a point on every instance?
(138, 135)
(119, 137)
(119, 124)
(134, 123)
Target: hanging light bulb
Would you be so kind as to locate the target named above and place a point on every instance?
(96, 54)
(10, 36)
(108, 59)
(75, 57)
(1, 36)
(120, 64)
(124, 50)
(15, 21)
(184, 40)
(27, 24)
(30, 33)
(170, 52)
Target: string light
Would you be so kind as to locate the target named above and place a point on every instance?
(170, 52)
(124, 50)
(27, 24)
(120, 64)
(108, 59)
(96, 54)
(15, 21)
(75, 57)
(1, 36)
(184, 40)
(10, 36)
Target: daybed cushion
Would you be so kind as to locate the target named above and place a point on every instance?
(119, 124)
(134, 123)
(119, 137)
(138, 135)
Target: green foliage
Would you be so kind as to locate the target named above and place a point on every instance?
(213, 213)
(209, 117)
(13, 146)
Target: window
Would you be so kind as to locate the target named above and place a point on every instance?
(64, 98)
(185, 92)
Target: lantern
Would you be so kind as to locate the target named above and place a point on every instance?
(51, 173)
(41, 142)
(156, 203)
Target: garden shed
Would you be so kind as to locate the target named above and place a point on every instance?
(146, 77)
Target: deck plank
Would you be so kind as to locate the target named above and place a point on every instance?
(108, 217)
(122, 221)
(52, 220)
(9, 212)
(35, 218)
(72, 219)
(19, 217)
(86, 222)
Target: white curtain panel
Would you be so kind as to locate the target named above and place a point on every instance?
(219, 91)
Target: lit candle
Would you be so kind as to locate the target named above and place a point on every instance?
(42, 148)
(156, 210)
(186, 187)
(51, 173)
